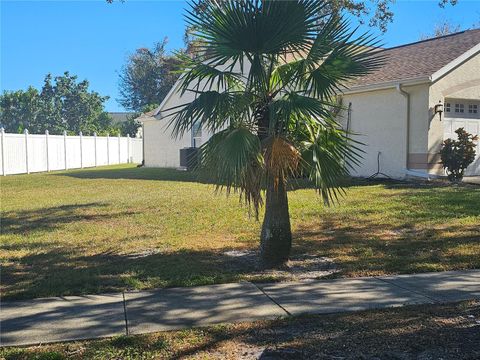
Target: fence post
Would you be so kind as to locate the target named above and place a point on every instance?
(119, 150)
(65, 147)
(108, 149)
(26, 149)
(2, 131)
(81, 150)
(46, 147)
(95, 146)
(128, 148)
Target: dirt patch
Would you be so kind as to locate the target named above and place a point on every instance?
(299, 267)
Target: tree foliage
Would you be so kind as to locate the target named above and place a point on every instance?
(376, 13)
(266, 86)
(457, 155)
(63, 103)
(147, 77)
(441, 29)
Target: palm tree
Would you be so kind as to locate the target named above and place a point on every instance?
(266, 84)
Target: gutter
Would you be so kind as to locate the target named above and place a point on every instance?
(144, 119)
(406, 95)
(388, 85)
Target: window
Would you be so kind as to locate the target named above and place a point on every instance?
(447, 107)
(197, 129)
(472, 109)
(459, 108)
(197, 134)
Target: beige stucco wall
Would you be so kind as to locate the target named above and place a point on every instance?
(379, 118)
(160, 148)
(461, 83)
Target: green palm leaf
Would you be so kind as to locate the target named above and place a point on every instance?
(232, 158)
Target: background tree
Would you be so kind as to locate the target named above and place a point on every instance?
(62, 104)
(441, 29)
(147, 77)
(131, 126)
(273, 119)
(19, 109)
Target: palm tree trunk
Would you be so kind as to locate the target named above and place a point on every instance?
(276, 235)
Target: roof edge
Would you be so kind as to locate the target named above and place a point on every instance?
(143, 119)
(387, 85)
(430, 39)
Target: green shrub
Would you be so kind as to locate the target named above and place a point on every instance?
(456, 155)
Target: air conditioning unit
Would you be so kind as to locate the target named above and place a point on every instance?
(188, 157)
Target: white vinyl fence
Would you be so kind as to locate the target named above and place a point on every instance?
(26, 153)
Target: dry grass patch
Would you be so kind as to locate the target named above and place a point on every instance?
(448, 331)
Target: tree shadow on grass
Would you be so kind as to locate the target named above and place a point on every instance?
(142, 173)
(61, 271)
(66, 271)
(52, 218)
(387, 334)
(368, 248)
(203, 177)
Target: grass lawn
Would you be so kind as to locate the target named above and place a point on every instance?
(415, 332)
(122, 227)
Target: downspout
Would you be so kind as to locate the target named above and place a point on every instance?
(406, 95)
(349, 116)
(143, 144)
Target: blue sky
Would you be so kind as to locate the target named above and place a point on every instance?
(92, 38)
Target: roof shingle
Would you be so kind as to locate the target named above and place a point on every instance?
(420, 59)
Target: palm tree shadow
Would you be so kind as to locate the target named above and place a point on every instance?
(49, 219)
(143, 173)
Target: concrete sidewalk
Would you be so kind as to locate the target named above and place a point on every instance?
(85, 317)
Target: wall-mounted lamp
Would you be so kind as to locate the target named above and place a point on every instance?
(439, 109)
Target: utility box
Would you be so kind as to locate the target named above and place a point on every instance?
(188, 157)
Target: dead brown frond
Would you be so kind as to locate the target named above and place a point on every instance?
(282, 159)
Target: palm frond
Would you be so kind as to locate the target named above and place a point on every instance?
(214, 110)
(337, 57)
(231, 29)
(233, 158)
(200, 76)
(293, 106)
(328, 155)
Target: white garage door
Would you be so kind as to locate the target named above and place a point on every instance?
(466, 114)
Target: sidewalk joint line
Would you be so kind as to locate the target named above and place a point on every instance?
(410, 290)
(273, 300)
(125, 313)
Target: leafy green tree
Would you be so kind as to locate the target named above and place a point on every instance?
(147, 77)
(62, 104)
(105, 125)
(130, 127)
(19, 109)
(266, 87)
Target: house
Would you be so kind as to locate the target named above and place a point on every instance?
(396, 110)
(119, 117)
